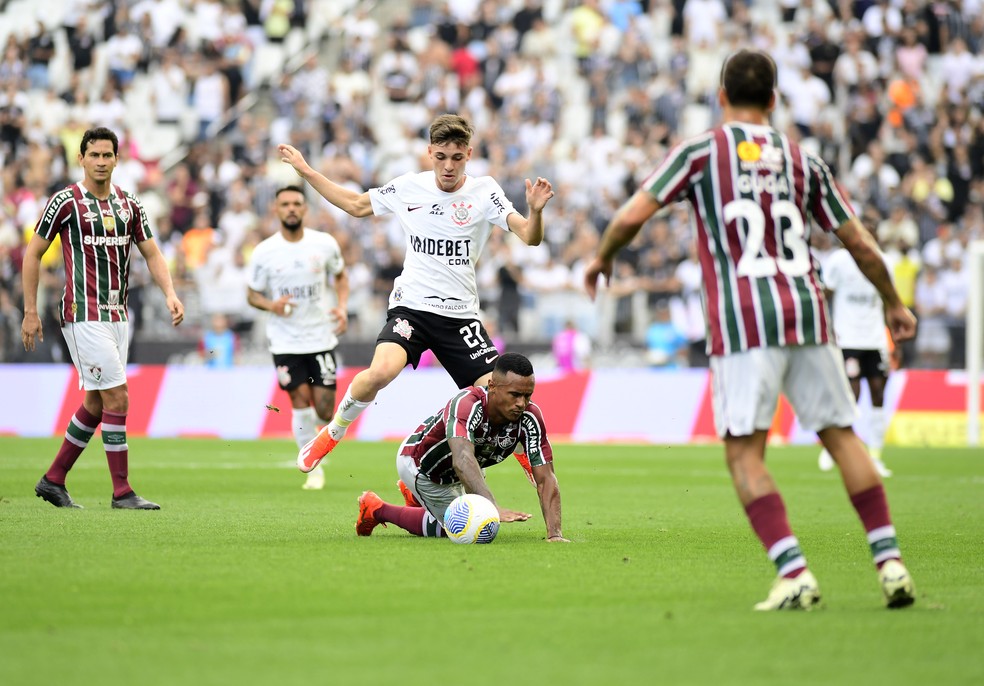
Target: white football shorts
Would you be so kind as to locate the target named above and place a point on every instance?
(435, 497)
(99, 352)
(746, 387)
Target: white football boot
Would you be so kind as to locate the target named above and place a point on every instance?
(896, 585)
(315, 479)
(801, 593)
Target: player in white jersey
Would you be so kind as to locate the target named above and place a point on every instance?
(447, 217)
(298, 275)
(859, 326)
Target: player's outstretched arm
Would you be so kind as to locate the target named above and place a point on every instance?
(345, 199)
(863, 248)
(619, 233)
(470, 475)
(161, 273)
(30, 278)
(530, 228)
(548, 491)
(340, 311)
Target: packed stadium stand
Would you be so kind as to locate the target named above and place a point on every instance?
(587, 94)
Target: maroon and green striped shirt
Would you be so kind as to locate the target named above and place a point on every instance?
(466, 416)
(96, 237)
(756, 196)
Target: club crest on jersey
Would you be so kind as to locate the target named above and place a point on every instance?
(124, 215)
(283, 375)
(505, 441)
(96, 372)
(403, 328)
(461, 213)
(398, 294)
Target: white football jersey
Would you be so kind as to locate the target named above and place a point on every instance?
(859, 316)
(300, 270)
(446, 233)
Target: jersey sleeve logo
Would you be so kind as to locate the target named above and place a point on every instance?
(461, 213)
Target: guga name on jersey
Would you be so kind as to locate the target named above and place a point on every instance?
(768, 183)
(106, 240)
(458, 249)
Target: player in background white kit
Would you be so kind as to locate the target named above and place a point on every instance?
(447, 217)
(298, 275)
(859, 326)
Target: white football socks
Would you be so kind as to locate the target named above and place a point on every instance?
(304, 424)
(876, 440)
(348, 411)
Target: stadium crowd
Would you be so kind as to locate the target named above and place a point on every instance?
(586, 93)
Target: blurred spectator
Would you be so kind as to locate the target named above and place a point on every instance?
(209, 95)
(571, 348)
(219, 344)
(586, 93)
(898, 230)
(181, 193)
(40, 50)
(123, 52)
(169, 89)
(666, 346)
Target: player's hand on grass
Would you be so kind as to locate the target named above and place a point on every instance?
(31, 328)
(512, 515)
(598, 267)
(292, 156)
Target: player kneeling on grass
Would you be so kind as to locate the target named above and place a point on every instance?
(446, 455)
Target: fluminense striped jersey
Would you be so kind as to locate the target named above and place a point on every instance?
(756, 196)
(96, 236)
(466, 416)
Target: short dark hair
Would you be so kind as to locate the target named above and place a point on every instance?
(100, 133)
(289, 189)
(513, 362)
(749, 78)
(451, 128)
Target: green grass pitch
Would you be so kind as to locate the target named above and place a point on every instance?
(243, 578)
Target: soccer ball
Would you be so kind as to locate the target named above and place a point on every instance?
(470, 518)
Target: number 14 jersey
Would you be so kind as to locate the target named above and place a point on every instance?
(756, 196)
